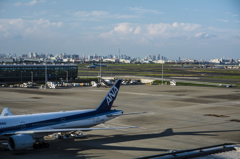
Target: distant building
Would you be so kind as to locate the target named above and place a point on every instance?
(160, 61)
(95, 56)
(153, 57)
(34, 55)
(24, 55)
(74, 56)
(30, 55)
(110, 56)
(6, 60)
(149, 57)
(90, 57)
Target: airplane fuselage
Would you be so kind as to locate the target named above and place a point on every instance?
(55, 120)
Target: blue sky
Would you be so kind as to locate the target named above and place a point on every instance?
(190, 29)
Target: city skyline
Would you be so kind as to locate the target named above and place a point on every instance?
(187, 29)
(72, 58)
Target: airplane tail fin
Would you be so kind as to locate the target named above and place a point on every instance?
(168, 131)
(6, 112)
(107, 102)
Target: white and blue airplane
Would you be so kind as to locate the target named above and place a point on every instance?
(27, 131)
(96, 65)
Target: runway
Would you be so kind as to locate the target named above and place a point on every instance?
(176, 119)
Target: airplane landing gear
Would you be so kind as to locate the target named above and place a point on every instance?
(67, 136)
(41, 145)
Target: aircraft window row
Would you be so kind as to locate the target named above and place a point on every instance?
(45, 123)
(15, 126)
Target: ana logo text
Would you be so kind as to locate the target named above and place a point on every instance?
(112, 94)
(2, 123)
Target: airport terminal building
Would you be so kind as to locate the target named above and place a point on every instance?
(25, 72)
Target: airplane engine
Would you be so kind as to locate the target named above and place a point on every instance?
(20, 142)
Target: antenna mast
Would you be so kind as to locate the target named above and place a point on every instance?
(119, 55)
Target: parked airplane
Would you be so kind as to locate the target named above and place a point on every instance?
(96, 65)
(27, 131)
(92, 66)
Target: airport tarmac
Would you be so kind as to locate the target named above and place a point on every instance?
(176, 119)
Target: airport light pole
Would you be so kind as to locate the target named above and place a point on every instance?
(45, 73)
(162, 72)
(100, 72)
(56, 74)
(67, 76)
(32, 77)
(98, 77)
(21, 77)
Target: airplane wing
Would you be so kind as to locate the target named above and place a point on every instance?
(114, 115)
(50, 131)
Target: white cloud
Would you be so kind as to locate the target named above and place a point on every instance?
(141, 10)
(178, 37)
(123, 28)
(186, 26)
(82, 14)
(162, 28)
(151, 31)
(12, 27)
(31, 3)
(158, 28)
(98, 15)
(235, 15)
(34, 2)
(137, 30)
(190, 27)
(120, 29)
(221, 20)
(203, 35)
(175, 24)
(58, 24)
(236, 21)
(125, 16)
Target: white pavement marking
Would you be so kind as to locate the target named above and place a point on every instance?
(98, 90)
(189, 108)
(128, 125)
(145, 94)
(109, 126)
